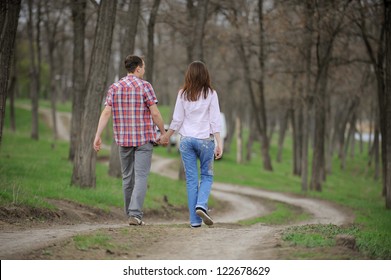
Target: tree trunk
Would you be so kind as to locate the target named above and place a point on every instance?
(376, 152)
(307, 92)
(84, 164)
(325, 41)
(78, 73)
(34, 75)
(151, 43)
(251, 138)
(296, 118)
(9, 14)
(377, 61)
(127, 47)
(202, 16)
(387, 4)
(318, 160)
(195, 48)
(114, 162)
(324, 47)
(267, 163)
(239, 140)
(38, 42)
(281, 136)
(128, 39)
(12, 92)
(51, 26)
(198, 16)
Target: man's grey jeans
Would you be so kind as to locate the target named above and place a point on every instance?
(135, 164)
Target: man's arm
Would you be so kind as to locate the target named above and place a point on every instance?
(157, 118)
(104, 118)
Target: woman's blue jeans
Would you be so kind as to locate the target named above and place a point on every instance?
(192, 150)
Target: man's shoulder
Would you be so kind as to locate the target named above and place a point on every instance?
(131, 82)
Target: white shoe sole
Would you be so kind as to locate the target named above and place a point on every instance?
(205, 217)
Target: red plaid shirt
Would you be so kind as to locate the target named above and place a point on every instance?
(130, 99)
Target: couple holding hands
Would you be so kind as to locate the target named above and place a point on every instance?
(133, 105)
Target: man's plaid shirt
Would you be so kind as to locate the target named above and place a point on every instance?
(130, 99)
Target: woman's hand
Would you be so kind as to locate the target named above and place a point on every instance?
(163, 139)
(218, 152)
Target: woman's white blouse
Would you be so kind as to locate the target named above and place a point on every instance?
(198, 119)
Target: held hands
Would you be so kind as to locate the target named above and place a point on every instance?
(163, 139)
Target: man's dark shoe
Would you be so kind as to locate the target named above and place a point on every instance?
(134, 221)
(204, 216)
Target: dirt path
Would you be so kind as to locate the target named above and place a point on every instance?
(225, 240)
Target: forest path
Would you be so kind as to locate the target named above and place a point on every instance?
(225, 240)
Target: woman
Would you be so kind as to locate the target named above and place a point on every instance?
(197, 119)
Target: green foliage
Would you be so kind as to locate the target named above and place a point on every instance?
(353, 187)
(95, 241)
(316, 235)
(283, 214)
(32, 171)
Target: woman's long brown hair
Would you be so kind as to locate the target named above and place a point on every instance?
(197, 81)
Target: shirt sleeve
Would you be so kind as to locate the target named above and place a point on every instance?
(178, 115)
(149, 95)
(214, 114)
(109, 97)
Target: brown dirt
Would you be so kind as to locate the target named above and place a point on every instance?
(43, 234)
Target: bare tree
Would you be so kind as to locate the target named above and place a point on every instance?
(51, 21)
(197, 16)
(256, 96)
(387, 29)
(85, 158)
(9, 15)
(329, 23)
(151, 43)
(307, 43)
(12, 92)
(78, 8)
(375, 51)
(34, 74)
(127, 47)
(267, 163)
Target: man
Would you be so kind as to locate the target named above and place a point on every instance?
(132, 103)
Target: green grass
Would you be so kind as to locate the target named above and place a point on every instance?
(283, 214)
(353, 187)
(311, 236)
(31, 171)
(94, 241)
(45, 103)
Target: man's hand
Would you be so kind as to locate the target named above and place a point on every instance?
(97, 144)
(163, 139)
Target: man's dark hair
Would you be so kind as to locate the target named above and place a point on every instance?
(132, 62)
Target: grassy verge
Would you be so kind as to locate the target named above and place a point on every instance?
(282, 214)
(31, 171)
(354, 187)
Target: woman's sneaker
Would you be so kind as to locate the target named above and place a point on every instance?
(134, 221)
(204, 216)
(195, 226)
